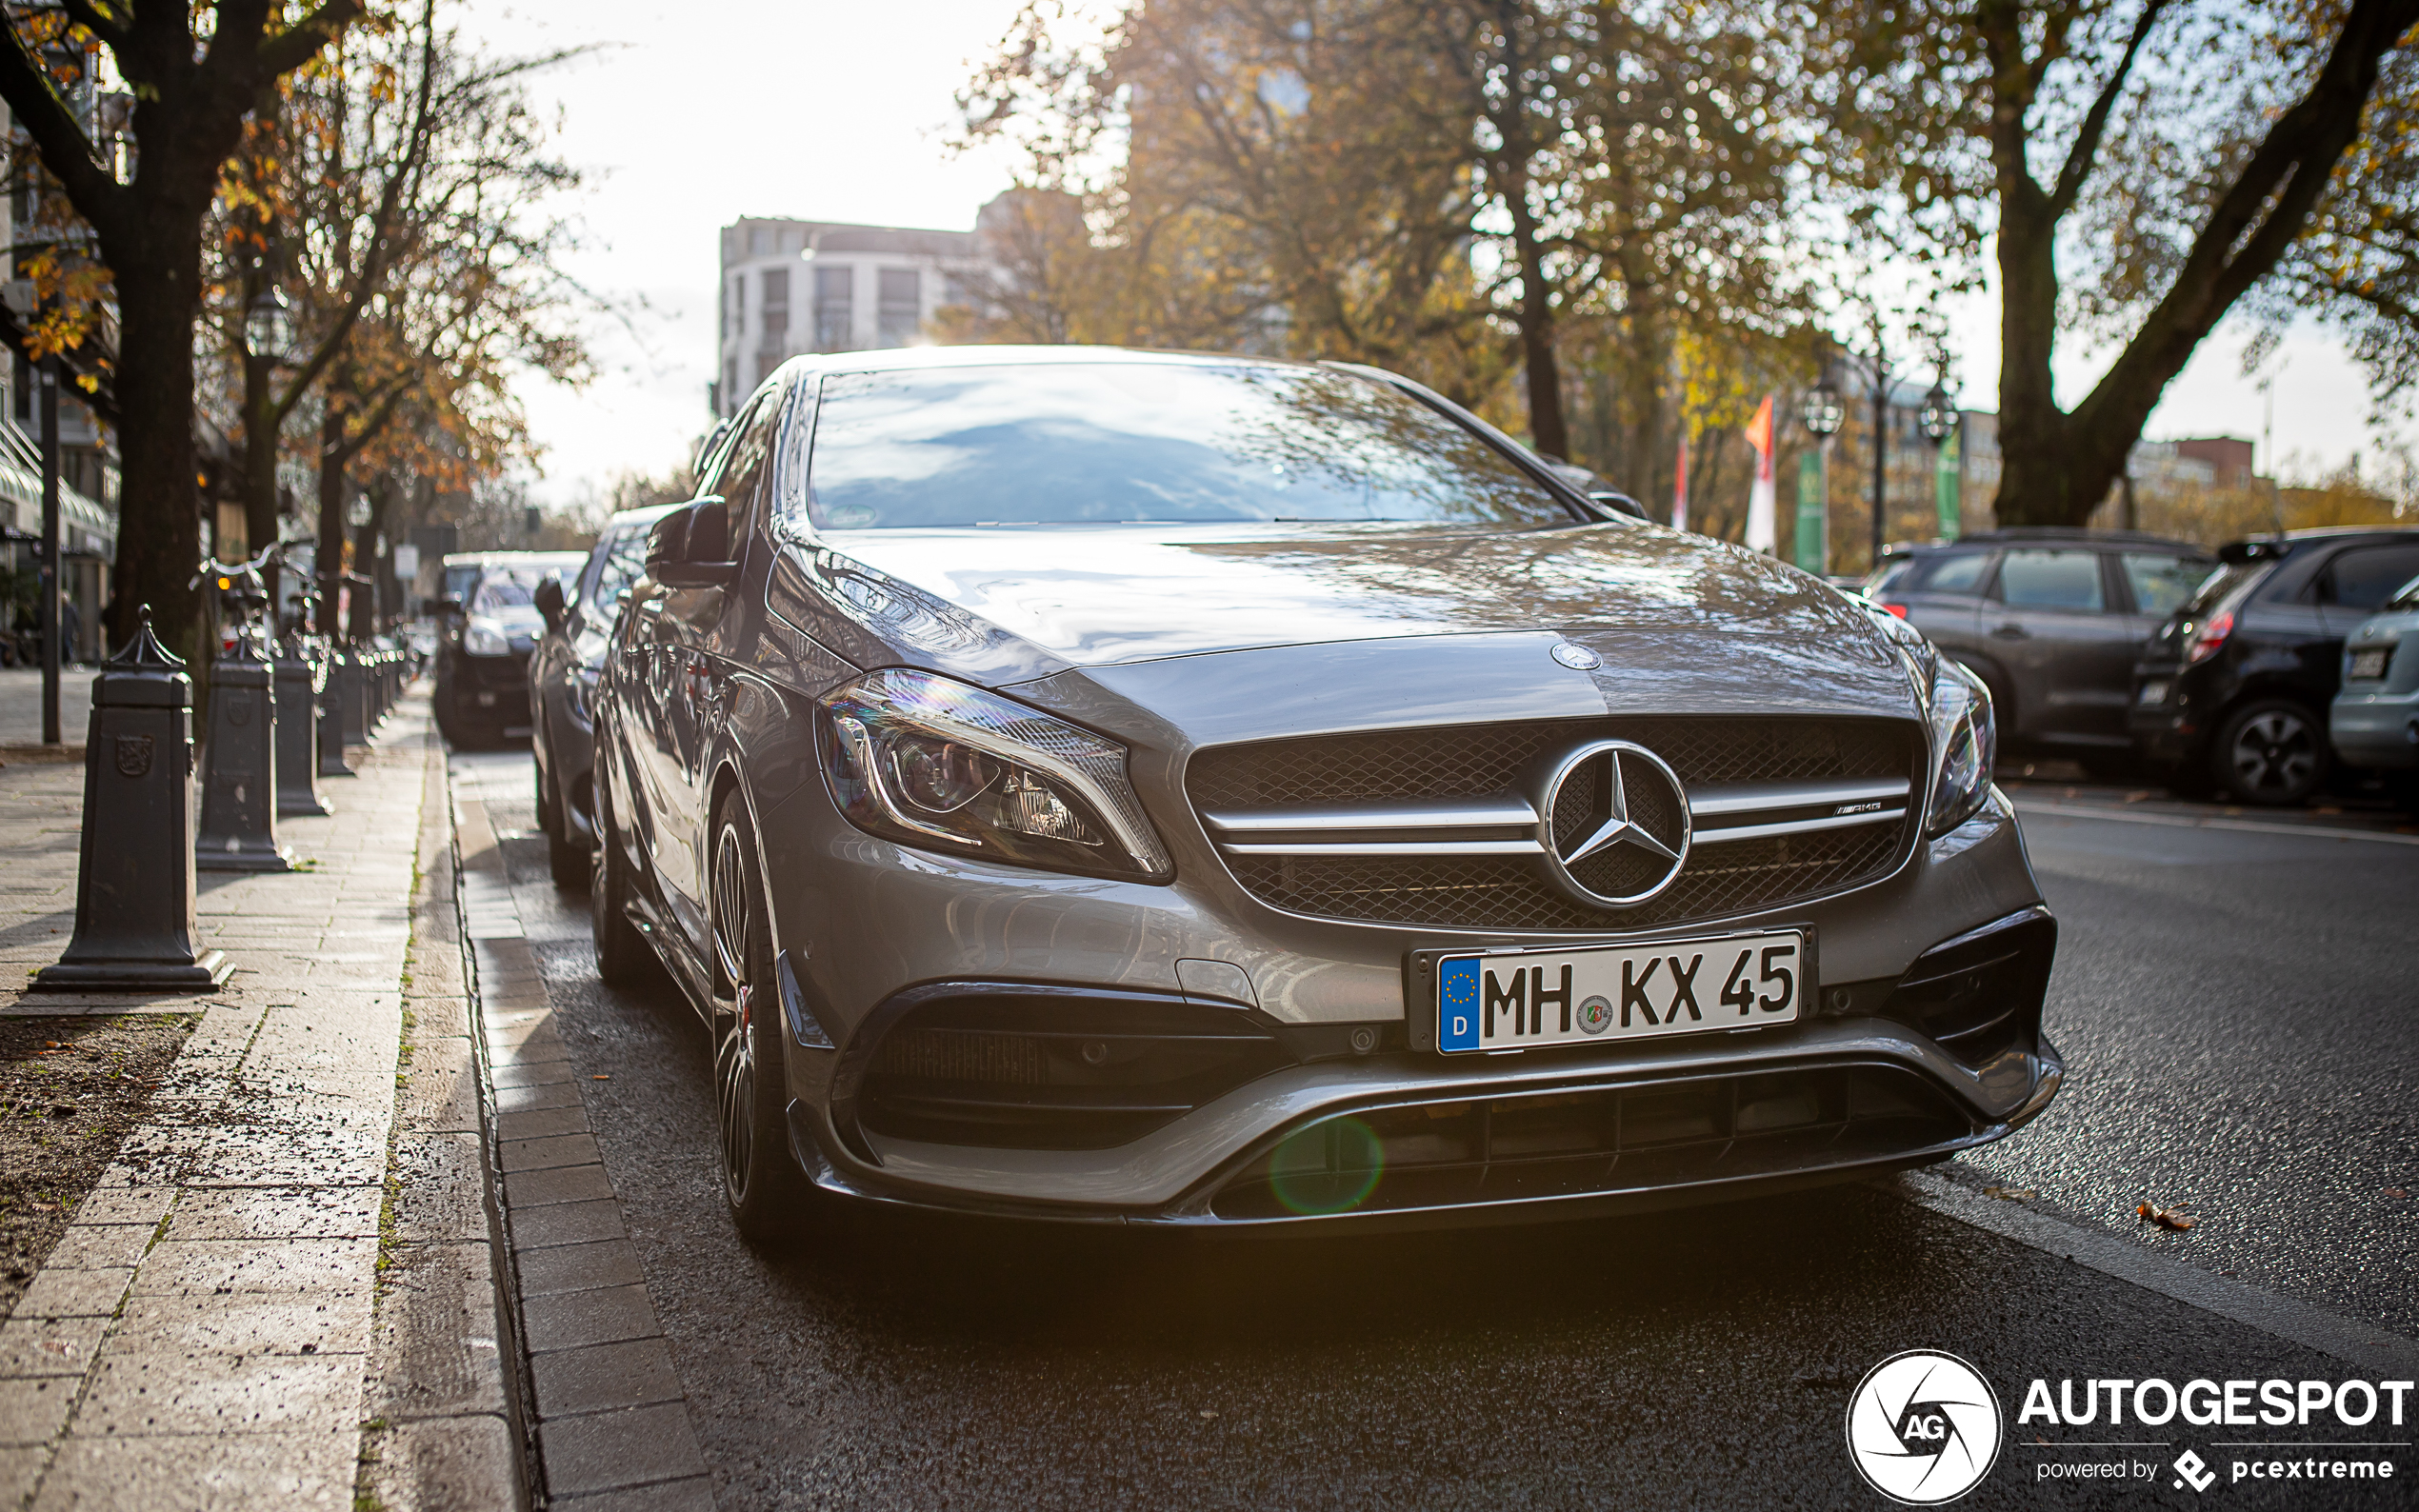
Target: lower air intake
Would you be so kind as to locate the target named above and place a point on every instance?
(1598, 1141)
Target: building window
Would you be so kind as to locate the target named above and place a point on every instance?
(776, 315)
(730, 384)
(902, 308)
(738, 303)
(766, 360)
(834, 308)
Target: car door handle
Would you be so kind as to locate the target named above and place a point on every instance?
(2012, 632)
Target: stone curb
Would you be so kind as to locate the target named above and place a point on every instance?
(611, 1419)
(443, 1417)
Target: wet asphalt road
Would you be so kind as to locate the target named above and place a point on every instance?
(2242, 1036)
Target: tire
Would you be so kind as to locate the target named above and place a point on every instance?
(762, 1185)
(624, 959)
(2272, 752)
(566, 858)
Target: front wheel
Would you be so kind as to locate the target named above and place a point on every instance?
(623, 957)
(762, 1184)
(566, 860)
(2272, 752)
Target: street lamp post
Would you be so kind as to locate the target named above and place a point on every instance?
(1881, 445)
(1938, 419)
(1821, 412)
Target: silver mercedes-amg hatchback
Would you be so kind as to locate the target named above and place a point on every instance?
(1200, 790)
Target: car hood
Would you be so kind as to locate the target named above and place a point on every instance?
(1679, 621)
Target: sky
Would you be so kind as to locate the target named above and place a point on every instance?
(839, 112)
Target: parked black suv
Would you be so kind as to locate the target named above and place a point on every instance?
(2051, 620)
(482, 695)
(2235, 690)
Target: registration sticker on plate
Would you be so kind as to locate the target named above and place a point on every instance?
(1516, 1000)
(2369, 664)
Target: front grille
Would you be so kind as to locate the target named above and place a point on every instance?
(1512, 892)
(1596, 1140)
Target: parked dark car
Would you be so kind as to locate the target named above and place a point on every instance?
(563, 673)
(1148, 789)
(2052, 620)
(482, 694)
(2233, 692)
(2374, 724)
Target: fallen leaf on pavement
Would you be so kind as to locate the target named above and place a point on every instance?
(2011, 1194)
(2173, 1218)
(600, 1077)
(2397, 1192)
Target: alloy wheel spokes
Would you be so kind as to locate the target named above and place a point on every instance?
(735, 1089)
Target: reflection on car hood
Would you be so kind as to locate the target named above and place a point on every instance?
(1006, 605)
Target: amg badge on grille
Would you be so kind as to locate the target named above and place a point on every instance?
(1616, 824)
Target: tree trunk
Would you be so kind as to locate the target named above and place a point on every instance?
(1546, 431)
(159, 508)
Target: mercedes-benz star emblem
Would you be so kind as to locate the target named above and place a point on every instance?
(1615, 828)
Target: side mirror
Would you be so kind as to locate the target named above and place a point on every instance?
(690, 548)
(549, 599)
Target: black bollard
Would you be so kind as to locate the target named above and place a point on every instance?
(239, 797)
(134, 884)
(297, 734)
(348, 675)
(332, 714)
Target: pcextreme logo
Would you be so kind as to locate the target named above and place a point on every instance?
(1923, 1427)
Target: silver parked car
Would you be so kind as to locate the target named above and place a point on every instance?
(2374, 721)
(1101, 786)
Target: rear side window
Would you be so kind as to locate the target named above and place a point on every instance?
(625, 558)
(2162, 584)
(2051, 580)
(2218, 586)
(2363, 577)
(1949, 572)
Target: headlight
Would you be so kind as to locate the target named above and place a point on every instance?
(485, 638)
(1963, 735)
(932, 763)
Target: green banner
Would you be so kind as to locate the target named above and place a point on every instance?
(1813, 512)
(1950, 481)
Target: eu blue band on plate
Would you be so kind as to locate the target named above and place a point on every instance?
(1457, 1004)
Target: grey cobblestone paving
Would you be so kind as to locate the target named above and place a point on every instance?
(208, 1333)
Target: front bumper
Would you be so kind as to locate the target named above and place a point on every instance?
(489, 693)
(909, 922)
(2166, 727)
(2376, 729)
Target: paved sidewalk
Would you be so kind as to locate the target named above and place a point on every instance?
(210, 1331)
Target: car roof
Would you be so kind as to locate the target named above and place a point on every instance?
(645, 515)
(2009, 534)
(913, 359)
(489, 559)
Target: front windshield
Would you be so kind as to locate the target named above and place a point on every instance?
(1103, 443)
(511, 587)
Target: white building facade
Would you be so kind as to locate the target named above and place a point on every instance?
(791, 286)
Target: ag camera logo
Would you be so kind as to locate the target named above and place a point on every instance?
(1923, 1427)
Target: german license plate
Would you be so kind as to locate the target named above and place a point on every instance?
(2371, 663)
(1516, 1000)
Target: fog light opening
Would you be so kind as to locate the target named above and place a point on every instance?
(1330, 1167)
(1095, 1052)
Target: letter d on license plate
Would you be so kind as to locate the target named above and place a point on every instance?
(1513, 1000)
